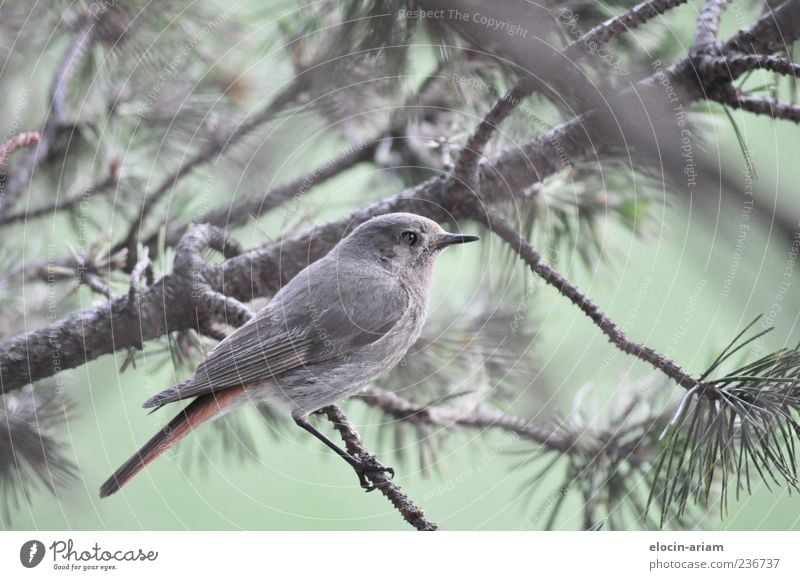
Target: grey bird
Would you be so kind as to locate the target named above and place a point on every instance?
(342, 322)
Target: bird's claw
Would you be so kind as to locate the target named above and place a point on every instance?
(368, 465)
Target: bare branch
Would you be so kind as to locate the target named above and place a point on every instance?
(355, 446)
(739, 64)
(206, 154)
(466, 170)
(633, 18)
(260, 272)
(404, 410)
(237, 214)
(465, 173)
(96, 284)
(65, 204)
(762, 106)
(773, 32)
(73, 58)
(189, 264)
(534, 260)
(708, 23)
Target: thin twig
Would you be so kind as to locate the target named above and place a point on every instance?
(534, 260)
(355, 446)
(141, 277)
(553, 438)
(465, 173)
(67, 203)
(630, 19)
(72, 60)
(738, 64)
(238, 213)
(774, 108)
(206, 154)
(96, 284)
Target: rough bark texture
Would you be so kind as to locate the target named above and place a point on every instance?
(164, 307)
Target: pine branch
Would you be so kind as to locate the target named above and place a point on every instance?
(227, 217)
(741, 63)
(708, 22)
(87, 335)
(751, 428)
(605, 464)
(67, 203)
(238, 213)
(208, 153)
(465, 172)
(774, 108)
(776, 29)
(71, 62)
(404, 410)
(383, 482)
(633, 18)
(534, 260)
(30, 452)
(738, 64)
(21, 141)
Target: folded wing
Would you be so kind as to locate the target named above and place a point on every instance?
(303, 325)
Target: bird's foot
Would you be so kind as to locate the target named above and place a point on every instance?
(366, 466)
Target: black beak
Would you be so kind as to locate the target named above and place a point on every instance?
(449, 239)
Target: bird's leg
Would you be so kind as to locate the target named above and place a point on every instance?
(362, 467)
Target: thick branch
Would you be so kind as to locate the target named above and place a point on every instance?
(708, 23)
(355, 446)
(85, 336)
(773, 32)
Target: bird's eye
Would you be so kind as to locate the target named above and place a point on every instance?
(409, 238)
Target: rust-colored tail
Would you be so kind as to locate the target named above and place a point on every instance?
(198, 412)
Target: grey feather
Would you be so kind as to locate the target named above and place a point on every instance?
(342, 322)
(325, 320)
(303, 325)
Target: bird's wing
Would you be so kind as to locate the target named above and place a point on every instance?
(303, 325)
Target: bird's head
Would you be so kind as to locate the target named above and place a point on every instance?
(401, 242)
